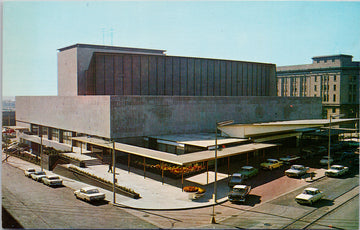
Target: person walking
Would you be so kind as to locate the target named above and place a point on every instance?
(110, 168)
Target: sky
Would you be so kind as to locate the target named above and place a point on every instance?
(278, 32)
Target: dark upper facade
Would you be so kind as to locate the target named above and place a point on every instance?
(106, 70)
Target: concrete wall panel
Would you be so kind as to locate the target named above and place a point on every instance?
(156, 115)
(81, 114)
(67, 73)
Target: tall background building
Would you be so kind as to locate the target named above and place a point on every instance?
(335, 79)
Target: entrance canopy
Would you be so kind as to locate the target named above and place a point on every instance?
(184, 159)
(270, 128)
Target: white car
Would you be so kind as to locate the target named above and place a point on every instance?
(38, 175)
(309, 196)
(336, 170)
(325, 160)
(29, 171)
(89, 194)
(296, 171)
(52, 180)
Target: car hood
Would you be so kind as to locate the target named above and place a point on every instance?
(304, 196)
(332, 171)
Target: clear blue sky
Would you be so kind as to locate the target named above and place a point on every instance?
(283, 33)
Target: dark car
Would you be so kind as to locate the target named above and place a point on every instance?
(236, 179)
(239, 193)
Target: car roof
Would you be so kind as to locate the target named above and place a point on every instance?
(247, 167)
(237, 174)
(311, 189)
(297, 165)
(271, 159)
(49, 176)
(89, 188)
(337, 165)
(30, 169)
(240, 186)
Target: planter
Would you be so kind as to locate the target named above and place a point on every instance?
(194, 192)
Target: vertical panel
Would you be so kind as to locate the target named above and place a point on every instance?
(100, 84)
(127, 74)
(198, 77)
(250, 81)
(222, 78)
(176, 76)
(263, 79)
(245, 80)
(204, 80)
(169, 76)
(255, 79)
(152, 75)
(136, 82)
(144, 74)
(239, 78)
(109, 75)
(160, 75)
(191, 78)
(211, 78)
(183, 76)
(234, 91)
(217, 84)
(228, 78)
(119, 75)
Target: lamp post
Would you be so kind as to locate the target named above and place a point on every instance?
(217, 124)
(113, 161)
(331, 116)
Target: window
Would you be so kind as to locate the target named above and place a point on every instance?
(55, 134)
(325, 61)
(334, 77)
(334, 98)
(334, 87)
(315, 88)
(315, 78)
(334, 110)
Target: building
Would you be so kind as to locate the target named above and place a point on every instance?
(132, 95)
(335, 79)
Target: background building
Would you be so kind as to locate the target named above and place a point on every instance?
(335, 79)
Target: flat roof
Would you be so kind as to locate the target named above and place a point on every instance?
(199, 139)
(172, 158)
(125, 49)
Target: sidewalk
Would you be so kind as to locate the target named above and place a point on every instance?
(154, 194)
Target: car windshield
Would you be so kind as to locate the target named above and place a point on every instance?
(40, 173)
(309, 192)
(271, 161)
(241, 190)
(91, 191)
(296, 167)
(54, 177)
(336, 167)
(31, 170)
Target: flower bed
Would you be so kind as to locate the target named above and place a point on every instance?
(173, 171)
(194, 192)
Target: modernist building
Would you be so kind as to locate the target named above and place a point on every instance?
(131, 94)
(335, 79)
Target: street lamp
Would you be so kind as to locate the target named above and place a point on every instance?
(217, 124)
(331, 116)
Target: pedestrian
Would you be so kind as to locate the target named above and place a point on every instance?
(110, 168)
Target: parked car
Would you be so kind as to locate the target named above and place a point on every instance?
(38, 175)
(271, 164)
(236, 179)
(52, 180)
(248, 171)
(29, 171)
(239, 193)
(309, 196)
(289, 159)
(336, 170)
(296, 171)
(325, 160)
(89, 194)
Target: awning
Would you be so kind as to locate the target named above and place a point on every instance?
(183, 159)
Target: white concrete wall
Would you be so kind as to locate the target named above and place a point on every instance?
(82, 114)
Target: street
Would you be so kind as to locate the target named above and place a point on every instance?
(35, 205)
